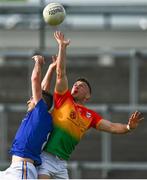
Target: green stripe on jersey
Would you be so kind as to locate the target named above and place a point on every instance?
(61, 143)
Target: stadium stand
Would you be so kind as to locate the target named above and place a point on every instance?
(111, 54)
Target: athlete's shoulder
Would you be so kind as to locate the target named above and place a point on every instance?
(59, 98)
(65, 93)
(40, 108)
(88, 110)
(40, 103)
(95, 117)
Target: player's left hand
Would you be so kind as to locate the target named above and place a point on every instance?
(59, 36)
(54, 62)
(135, 119)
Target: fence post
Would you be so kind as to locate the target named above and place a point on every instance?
(3, 134)
(106, 146)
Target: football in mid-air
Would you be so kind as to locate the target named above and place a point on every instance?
(54, 14)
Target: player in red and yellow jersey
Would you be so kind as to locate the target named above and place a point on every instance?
(72, 119)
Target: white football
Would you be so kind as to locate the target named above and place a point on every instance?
(54, 14)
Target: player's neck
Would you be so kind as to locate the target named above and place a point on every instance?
(77, 101)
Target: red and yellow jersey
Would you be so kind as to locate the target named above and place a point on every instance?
(71, 121)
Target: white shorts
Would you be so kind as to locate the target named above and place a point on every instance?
(53, 166)
(19, 170)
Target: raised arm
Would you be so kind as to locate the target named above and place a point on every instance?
(119, 128)
(36, 78)
(46, 82)
(61, 77)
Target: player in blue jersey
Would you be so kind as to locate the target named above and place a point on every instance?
(34, 128)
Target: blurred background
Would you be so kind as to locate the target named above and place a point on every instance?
(108, 47)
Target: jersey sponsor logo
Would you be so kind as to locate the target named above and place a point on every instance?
(72, 115)
(78, 121)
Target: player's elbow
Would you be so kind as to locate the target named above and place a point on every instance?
(60, 74)
(35, 78)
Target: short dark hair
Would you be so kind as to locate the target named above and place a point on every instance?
(85, 81)
(48, 98)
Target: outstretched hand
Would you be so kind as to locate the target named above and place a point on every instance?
(39, 59)
(135, 119)
(59, 36)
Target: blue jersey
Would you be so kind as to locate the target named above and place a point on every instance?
(33, 133)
